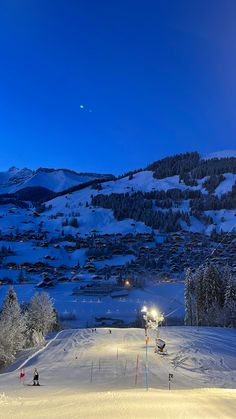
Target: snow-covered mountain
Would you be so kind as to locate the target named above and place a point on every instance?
(180, 192)
(55, 180)
(155, 221)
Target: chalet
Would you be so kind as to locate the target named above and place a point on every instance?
(25, 265)
(39, 264)
(12, 265)
(120, 294)
(45, 244)
(48, 257)
(6, 281)
(46, 283)
(70, 249)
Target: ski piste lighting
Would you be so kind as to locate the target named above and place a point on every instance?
(152, 314)
(152, 319)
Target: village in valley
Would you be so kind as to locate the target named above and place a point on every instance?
(128, 239)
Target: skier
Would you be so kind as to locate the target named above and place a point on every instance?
(110, 331)
(36, 377)
(22, 376)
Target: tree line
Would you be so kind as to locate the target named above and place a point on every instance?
(215, 202)
(24, 326)
(210, 296)
(190, 167)
(140, 209)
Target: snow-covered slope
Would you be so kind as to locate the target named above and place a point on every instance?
(227, 184)
(142, 181)
(102, 220)
(196, 197)
(135, 403)
(55, 180)
(99, 375)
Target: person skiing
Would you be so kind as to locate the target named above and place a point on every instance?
(22, 376)
(36, 377)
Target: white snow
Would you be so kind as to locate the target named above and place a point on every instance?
(226, 185)
(99, 219)
(95, 375)
(56, 180)
(168, 297)
(224, 220)
(142, 181)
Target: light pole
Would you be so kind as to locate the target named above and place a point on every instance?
(152, 318)
(145, 317)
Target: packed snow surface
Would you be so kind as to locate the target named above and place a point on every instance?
(102, 375)
(123, 404)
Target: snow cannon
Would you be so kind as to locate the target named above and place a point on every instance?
(160, 345)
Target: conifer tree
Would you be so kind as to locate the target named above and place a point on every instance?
(199, 294)
(12, 326)
(230, 299)
(189, 298)
(41, 313)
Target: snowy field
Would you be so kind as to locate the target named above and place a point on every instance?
(102, 375)
(167, 297)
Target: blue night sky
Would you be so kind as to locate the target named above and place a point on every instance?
(154, 77)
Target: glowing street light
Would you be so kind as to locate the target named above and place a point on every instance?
(152, 319)
(154, 314)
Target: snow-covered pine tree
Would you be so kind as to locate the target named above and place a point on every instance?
(199, 295)
(230, 298)
(212, 296)
(189, 297)
(213, 278)
(12, 327)
(41, 314)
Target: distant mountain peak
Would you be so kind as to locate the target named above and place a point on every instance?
(13, 169)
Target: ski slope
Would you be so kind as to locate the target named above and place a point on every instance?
(102, 375)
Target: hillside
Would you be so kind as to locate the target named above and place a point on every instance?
(80, 368)
(55, 180)
(147, 225)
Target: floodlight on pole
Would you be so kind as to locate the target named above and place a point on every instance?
(154, 314)
(152, 318)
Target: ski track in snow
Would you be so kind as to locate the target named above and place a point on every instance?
(93, 375)
(197, 358)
